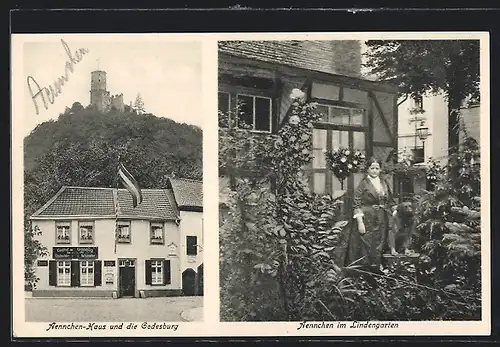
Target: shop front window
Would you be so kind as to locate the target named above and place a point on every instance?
(87, 273)
(64, 273)
(156, 272)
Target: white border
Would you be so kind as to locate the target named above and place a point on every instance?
(211, 326)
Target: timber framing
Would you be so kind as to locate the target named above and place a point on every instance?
(231, 63)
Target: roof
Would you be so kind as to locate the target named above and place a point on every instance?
(188, 193)
(342, 57)
(155, 204)
(100, 203)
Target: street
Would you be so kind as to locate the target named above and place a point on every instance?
(163, 309)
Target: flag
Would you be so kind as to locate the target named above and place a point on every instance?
(131, 184)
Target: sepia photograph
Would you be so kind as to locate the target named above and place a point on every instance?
(349, 181)
(328, 184)
(113, 179)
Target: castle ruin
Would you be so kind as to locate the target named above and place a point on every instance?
(100, 97)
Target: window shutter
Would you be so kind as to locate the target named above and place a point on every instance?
(148, 272)
(52, 273)
(166, 272)
(97, 273)
(75, 273)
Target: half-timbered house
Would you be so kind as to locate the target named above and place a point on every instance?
(358, 113)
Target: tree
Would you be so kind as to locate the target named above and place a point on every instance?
(431, 66)
(139, 104)
(81, 149)
(77, 107)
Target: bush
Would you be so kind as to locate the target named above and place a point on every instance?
(281, 245)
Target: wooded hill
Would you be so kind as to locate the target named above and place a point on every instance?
(82, 148)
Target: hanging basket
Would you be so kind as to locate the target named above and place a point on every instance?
(343, 162)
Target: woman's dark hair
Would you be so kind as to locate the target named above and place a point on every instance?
(372, 160)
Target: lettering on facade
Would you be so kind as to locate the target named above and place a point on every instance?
(74, 252)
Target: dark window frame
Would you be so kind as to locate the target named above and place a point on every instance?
(235, 90)
(330, 128)
(191, 249)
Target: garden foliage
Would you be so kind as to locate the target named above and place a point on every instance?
(281, 246)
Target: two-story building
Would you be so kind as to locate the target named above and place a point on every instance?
(100, 245)
(430, 111)
(357, 113)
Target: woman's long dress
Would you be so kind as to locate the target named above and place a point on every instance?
(377, 209)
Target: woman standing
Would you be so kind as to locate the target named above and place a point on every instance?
(373, 209)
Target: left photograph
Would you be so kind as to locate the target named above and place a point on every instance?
(113, 179)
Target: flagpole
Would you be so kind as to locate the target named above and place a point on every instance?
(116, 206)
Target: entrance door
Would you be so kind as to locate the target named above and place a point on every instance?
(188, 282)
(199, 281)
(127, 277)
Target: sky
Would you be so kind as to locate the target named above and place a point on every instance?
(167, 73)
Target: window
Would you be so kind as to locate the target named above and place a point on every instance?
(126, 263)
(191, 245)
(340, 115)
(338, 127)
(86, 230)
(156, 272)
(254, 112)
(63, 232)
(123, 232)
(64, 273)
(87, 273)
(156, 233)
(418, 155)
(418, 103)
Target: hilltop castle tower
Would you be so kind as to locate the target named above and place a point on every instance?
(100, 97)
(98, 89)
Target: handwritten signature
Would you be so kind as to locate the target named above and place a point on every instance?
(50, 93)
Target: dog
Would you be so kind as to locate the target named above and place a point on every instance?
(403, 228)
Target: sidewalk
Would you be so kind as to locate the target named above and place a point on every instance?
(192, 315)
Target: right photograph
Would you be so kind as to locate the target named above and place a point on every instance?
(349, 180)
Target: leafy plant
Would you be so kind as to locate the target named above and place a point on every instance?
(281, 245)
(343, 162)
(418, 67)
(449, 230)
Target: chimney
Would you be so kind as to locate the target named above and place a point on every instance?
(346, 57)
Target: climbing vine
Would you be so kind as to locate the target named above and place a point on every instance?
(281, 245)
